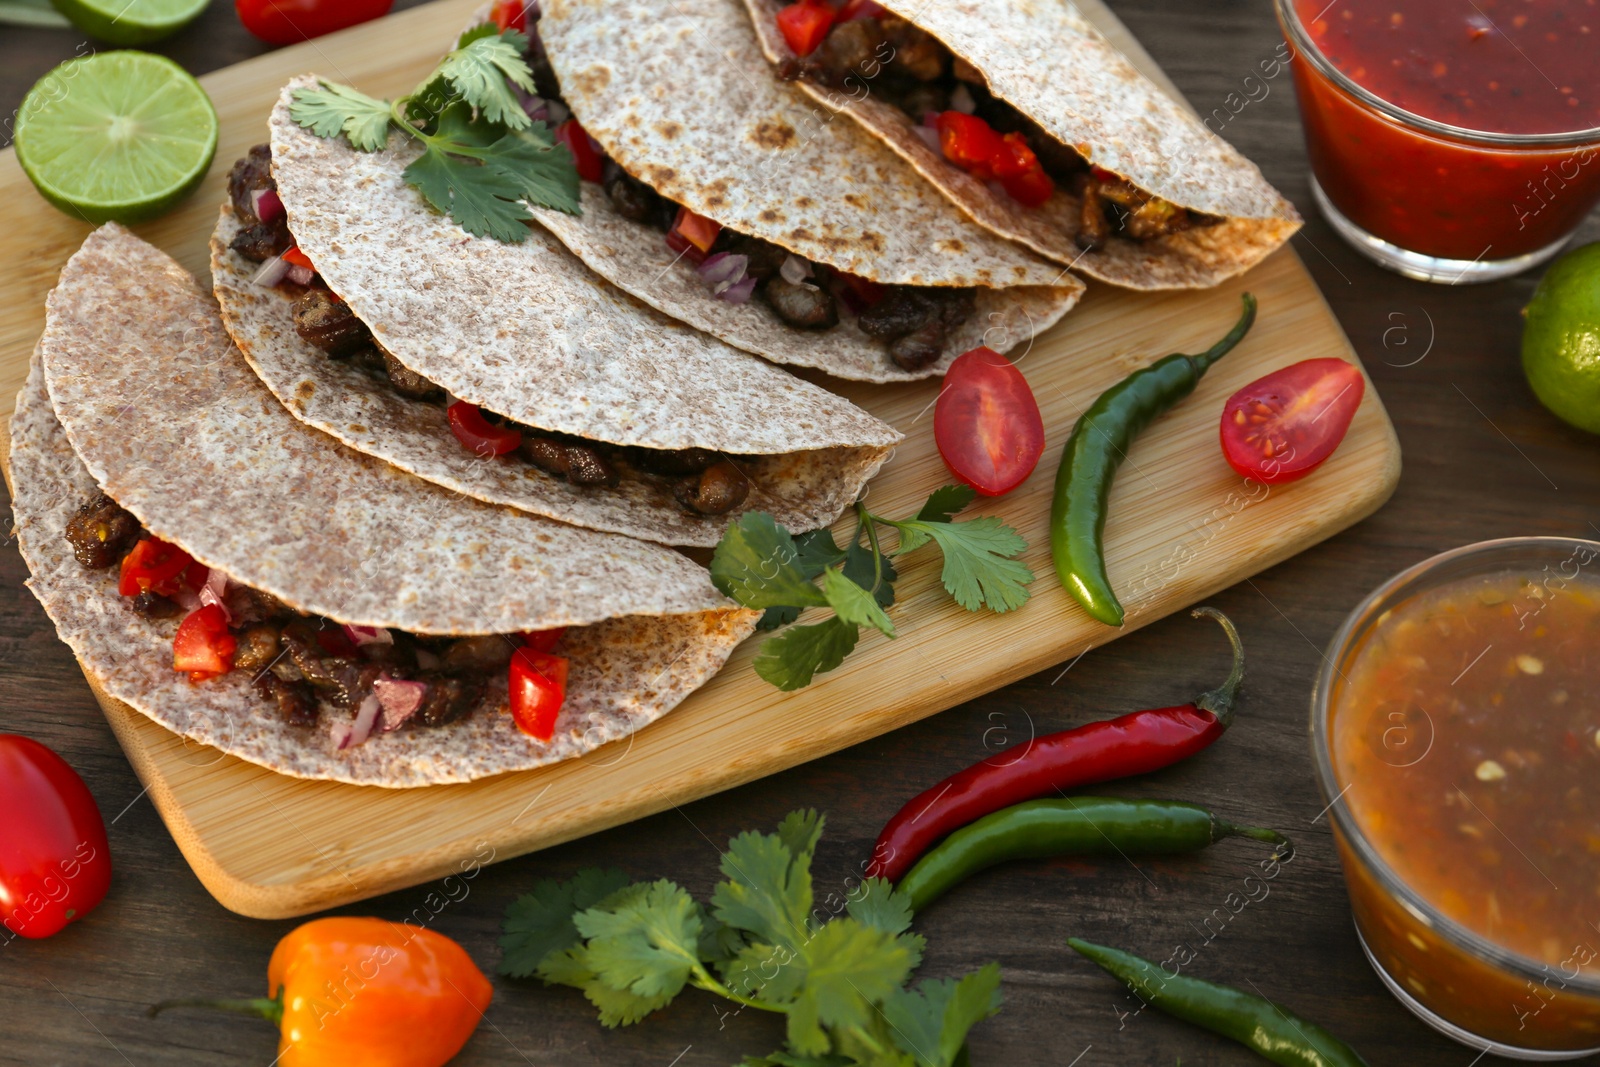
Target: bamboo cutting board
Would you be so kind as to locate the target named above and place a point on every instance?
(1182, 527)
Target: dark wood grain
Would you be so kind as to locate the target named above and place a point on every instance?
(1482, 459)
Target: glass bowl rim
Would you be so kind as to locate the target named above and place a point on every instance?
(1302, 45)
(1357, 623)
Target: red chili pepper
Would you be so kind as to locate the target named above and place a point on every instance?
(586, 151)
(510, 15)
(538, 689)
(203, 646)
(478, 434)
(55, 865)
(1136, 743)
(804, 25)
(153, 565)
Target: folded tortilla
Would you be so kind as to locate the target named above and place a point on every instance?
(528, 332)
(680, 97)
(1049, 62)
(137, 390)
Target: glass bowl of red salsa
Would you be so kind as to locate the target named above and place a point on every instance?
(1450, 141)
(1456, 735)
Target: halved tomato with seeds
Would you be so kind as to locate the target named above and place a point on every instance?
(1281, 427)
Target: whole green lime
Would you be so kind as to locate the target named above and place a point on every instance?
(1561, 338)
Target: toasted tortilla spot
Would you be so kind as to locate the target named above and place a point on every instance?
(593, 79)
(773, 134)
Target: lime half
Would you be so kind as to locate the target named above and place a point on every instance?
(130, 22)
(119, 136)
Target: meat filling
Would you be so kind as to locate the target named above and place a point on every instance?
(911, 69)
(326, 322)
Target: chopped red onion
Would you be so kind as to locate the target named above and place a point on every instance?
(271, 272)
(961, 100)
(929, 135)
(188, 599)
(557, 112)
(425, 659)
(350, 734)
(368, 635)
(795, 270)
(215, 591)
(739, 292)
(266, 204)
(300, 275)
(723, 268)
(400, 700)
(533, 105)
(930, 119)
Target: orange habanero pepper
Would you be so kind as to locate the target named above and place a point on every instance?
(360, 992)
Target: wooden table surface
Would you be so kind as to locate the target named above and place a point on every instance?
(1482, 460)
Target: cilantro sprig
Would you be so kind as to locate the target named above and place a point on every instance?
(483, 160)
(760, 564)
(763, 942)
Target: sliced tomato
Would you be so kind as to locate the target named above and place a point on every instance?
(804, 25)
(510, 15)
(153, 565)
(692, 235)
(969, 143)
(861, 9)
(203, 647)
(538, 689)
(585, 150)
(480, 435)
(544, 640)
(862, 292)
(1280, 427)
(1020, 171)
(296, 258)
(987, 423)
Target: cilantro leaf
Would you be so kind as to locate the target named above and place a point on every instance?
(482, 201)
(768, 888)
(785, 1059)
(334, 109)
(547, 173)
(816, 552)
(774, 973)
(978, 570)
(540, 923)
(791, 659)
(647, 943)
(757, 564)
(853, 604)
(482, 29)
(880, 907)
(617, 1007)
(932, 1023)
(945, 501)
(858, 568)
(849, 967)
(481, 69)
(800, 831)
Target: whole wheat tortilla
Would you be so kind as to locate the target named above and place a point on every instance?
(801, 489)
(527, 331)
(679, 96)
(184, 436)
(1048, 61)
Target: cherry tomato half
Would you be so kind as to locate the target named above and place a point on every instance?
(538, 689)
(586, 151)
(55, 865)
(203, 646)
(510, 15)
(292, 21)
(692, 235)
(544, 640)
(1280, 427)
(987, 424)
(480, 435)
(153, 564)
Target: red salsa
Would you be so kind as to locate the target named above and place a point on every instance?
(1510, 67)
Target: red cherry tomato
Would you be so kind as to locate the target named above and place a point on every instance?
(1020, 171)
(987, 424)
(538, 689)
(55, 865)
(804, 25)
(292, 21)
(203, 646)
(969, 143)
(478, 434)
(586, 152)
(1280, 427)
(861, 9)
(153, 565)
(296, 258)
(510, 15)
(692, 234)
(544, 640)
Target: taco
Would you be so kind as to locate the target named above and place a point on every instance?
(1024, 115)
(248, 582)
(729, 201)
(509, 371)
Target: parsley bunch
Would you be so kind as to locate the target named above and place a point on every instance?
(482, 156)
(840, 980)
(760, 565)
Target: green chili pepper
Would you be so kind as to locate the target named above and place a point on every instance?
(1089, 825)
(1097, 447)
(1255, 1022)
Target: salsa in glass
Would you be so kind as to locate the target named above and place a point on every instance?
(1464, 733)
(1463, 130)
